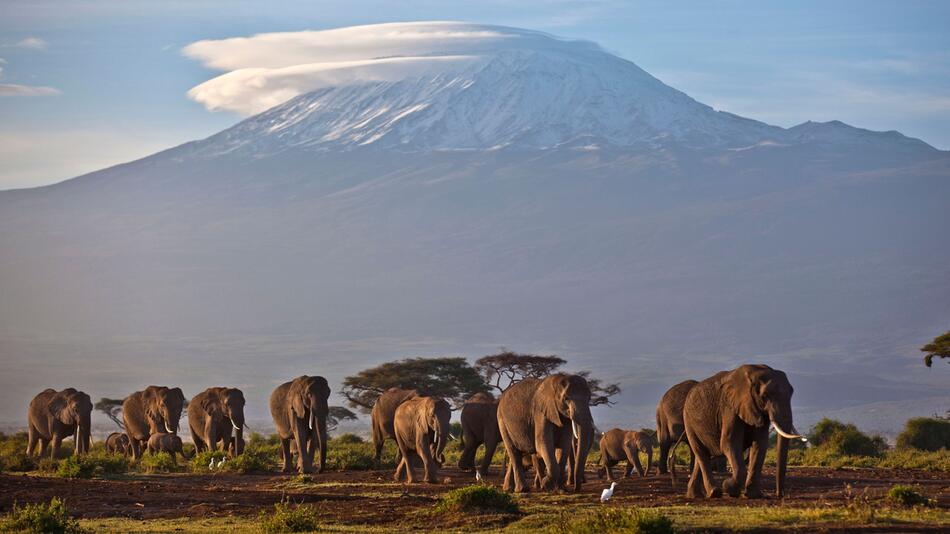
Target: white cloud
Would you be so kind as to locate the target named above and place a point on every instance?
(34, 43)
(12, 89)
(268, 69)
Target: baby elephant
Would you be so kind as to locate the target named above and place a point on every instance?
(118, 443)
(617, 445)
(170, 443)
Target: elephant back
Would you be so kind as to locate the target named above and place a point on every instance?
(384, 409)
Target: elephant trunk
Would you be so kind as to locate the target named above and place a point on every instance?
(781, 463)
(441, 440)
(649, 461)
(582, 424)
(82, 436)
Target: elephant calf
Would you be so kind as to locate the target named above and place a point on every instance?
(421, 426)
(170, 443)
(617, 445)
(118, 443)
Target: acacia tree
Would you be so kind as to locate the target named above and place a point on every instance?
(939, 347)
(338, 414)
(452, 379)
(112, 408)
(501, 371)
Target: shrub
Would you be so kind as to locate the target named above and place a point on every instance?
(350, 457)
(348, 439)
(613, 520)
(47, 465)
(824, 429)
(480, 499)
(287, 518)
(91, 465)
(843, 439)
(161, 462)
(256, 438)
(17, 461)
(43, 518)
(906, 496)
(199, 463)
(252, 461)
(926, 434)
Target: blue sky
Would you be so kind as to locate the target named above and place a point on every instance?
(88, 84)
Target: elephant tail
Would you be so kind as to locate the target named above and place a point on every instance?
(671, 459)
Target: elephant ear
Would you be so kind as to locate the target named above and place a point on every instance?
(208, 402)
(738, 388)
(548, 397)
(296, 394)
(56, 405)
(176, 392)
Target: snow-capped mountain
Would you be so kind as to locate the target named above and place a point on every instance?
(425, 189)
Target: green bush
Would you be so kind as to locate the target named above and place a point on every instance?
(252, 461)
(91, 465)
(926, 434)
(842, 439)
(824, 429)
(199, 463)
(17, 461)
(161, 462)
(47, 465)
(45, 518)
(613, 521)
(350, 456)
(907, 496)
(348, 439)
(479, 499)
(287, 518)
(256, 438)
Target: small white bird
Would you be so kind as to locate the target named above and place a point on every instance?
(221, 463)
(478, 475)
(608, 493)
(211, 464)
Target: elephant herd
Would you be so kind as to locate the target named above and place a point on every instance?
(544, 422)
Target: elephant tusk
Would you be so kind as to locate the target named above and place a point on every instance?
(784, 434)
(168, 429)
(235, 426)
(577, 435)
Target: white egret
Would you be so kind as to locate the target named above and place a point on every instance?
(608, 493)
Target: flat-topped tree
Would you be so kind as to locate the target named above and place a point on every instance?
(452, 379)
(939, 347)
(501, 371)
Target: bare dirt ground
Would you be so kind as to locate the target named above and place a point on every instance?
(371, 498)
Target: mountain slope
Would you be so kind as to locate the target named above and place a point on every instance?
(548, 197)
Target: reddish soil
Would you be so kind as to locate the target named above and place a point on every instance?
(180, 495)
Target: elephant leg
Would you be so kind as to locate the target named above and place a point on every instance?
(753, 489)
(734, 455)
(490, 446)
(506, 485)
(301, 434)
(285, 455)
(633, 459)
(544, 445)
(664, 454)
(32, 439)
(515, 461)
(57, 440)
(429, 466)
(695, 484)
(538, 466)
(44, 447)
(702, 463)
(609, 470)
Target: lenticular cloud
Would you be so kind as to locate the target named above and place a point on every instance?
(267, 69)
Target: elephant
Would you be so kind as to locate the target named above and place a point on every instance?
(212, 414)
(534, 416)
(164, 442)
(54, 415)
(669, 420)
(383, 415)
(617, 445)
(300, 410)
(731, 412)
(152, 410)
(479, 419)
(421, 425)
(118, 443)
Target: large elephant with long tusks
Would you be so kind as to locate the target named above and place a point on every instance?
(731, 412)
(212, 416)
(542, 416)
(153, 410)
(54, 415)
(421, 425)
(300, 410)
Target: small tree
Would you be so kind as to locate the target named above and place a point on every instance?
(113, 410)
(453, 379)
(338, 414)
(939, 347)
(507, 368)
